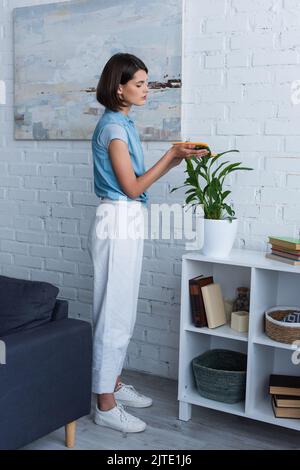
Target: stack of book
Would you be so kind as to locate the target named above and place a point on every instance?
(285, 392)
(207, 304)
(285, 249)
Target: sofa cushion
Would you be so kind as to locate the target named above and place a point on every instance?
(25, 304)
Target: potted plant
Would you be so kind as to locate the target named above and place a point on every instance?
(205, 183)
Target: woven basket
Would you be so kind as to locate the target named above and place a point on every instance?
(278, 330)
(220, 375)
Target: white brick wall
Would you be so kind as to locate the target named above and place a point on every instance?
(240, 58)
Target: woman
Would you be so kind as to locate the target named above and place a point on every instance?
(120, 180)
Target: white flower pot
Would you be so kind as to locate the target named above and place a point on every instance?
(219, 236)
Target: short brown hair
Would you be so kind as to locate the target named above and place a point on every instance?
(119, 69)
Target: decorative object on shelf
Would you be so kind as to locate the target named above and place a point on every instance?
(279, 330)
(242, 300)
(220, 224)
(240, 321)
(285, 249)
(228, 304)
(293, 317)
(220, 375)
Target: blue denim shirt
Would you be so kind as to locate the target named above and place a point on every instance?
(115, 125)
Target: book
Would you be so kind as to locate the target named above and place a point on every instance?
(285, 412)
(286, 401)
(285, 250)
(196, 299)
(286, 254)
(284, 385)
(193, 292)
(214, 305)
(287, 242)
(283, 259)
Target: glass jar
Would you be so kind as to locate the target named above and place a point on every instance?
(242, 301)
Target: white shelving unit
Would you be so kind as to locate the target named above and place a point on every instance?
(271, 283)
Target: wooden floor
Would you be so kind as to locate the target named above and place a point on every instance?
(208, 429)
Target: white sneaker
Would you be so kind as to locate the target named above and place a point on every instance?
(117, 418)
(128, 396)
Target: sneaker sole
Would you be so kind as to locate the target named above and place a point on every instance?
(134, 404)
(120, 430)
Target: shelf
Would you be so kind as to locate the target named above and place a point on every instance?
(271, 283)
(266, 341)
(224, 331)
(193, 397)
(248, 258)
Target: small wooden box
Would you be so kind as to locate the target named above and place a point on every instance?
(240, 321)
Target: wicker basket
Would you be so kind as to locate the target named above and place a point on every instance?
(220, 375)
(278, 330)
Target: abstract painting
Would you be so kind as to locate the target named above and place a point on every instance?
(61, 49)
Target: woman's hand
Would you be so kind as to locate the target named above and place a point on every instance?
(179, 152)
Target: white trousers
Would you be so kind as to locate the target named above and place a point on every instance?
(115, 244)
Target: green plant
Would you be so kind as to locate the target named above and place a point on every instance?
(211, 195)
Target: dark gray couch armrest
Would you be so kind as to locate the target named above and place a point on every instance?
(60, 310)
(46, 381)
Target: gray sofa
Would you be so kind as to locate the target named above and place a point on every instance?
(45, 364)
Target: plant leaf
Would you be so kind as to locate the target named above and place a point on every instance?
(229, 209)
(228, 151)
(214, 159)
(225, 194)
(210, 194)
(228, 169)
(191, 197)
(220, 166)
(178, 187)
(193, 190)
